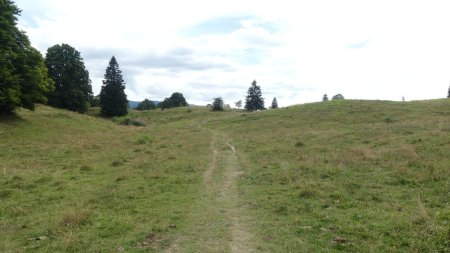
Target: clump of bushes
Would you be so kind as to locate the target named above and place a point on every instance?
(129, 121)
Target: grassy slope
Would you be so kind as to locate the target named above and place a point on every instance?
(375, 173)
(93, 186)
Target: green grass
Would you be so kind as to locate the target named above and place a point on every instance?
(90, 185)
(374, 173)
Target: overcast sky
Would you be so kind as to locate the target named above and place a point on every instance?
(295, 50)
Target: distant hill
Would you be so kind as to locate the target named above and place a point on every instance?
(134, 104)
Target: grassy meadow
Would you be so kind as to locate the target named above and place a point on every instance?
(340, 176)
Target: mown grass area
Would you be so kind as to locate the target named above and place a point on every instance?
(358, 176)
(340, 176)
(86, 184)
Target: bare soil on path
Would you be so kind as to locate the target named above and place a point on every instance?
(218, 220)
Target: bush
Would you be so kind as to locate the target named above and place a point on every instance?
(129, 121)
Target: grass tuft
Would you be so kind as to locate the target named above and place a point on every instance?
(422, 211)
(74, 218)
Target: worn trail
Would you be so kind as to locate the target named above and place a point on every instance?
(218, 220)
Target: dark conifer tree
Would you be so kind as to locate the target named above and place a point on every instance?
(113, 100)
(73, 88)
(274, 103)
(325, 97)
(448, 95)
(254, 100)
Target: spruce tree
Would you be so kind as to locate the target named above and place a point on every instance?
(325, 97)
(113, 100)
(23, 75)
(274, 103)
(254, 100)
(448, 95)
(73, 88)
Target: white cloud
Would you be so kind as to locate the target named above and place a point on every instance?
(296, 50)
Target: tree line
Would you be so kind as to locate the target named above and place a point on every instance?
(62, 80)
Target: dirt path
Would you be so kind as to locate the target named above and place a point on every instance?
(218, 222)
(241, 237)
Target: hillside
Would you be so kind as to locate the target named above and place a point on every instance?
(336, 176)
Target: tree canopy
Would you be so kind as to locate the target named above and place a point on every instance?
(338, 97)
(72, 84)
(325, 97)
(217, 104)
(254, 100)
(113, 100)
(176, 100)
(146, 105)
(238, 104)
(23, 75)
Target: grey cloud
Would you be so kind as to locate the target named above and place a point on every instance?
(175, 60)
(204, 91)
(158, 91)
(101, 53)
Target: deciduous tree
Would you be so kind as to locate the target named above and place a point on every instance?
(217, 104)
(146, 105)
(176, 100)
(23, 75)
(338, 97)
(72, 84)
(238, 104)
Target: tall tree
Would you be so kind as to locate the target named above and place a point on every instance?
(217, 104)
(254, 100)
(325, 97)
(72, 84)
(113, 100)
(23, 75)
(274, 103)
(448, 95)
